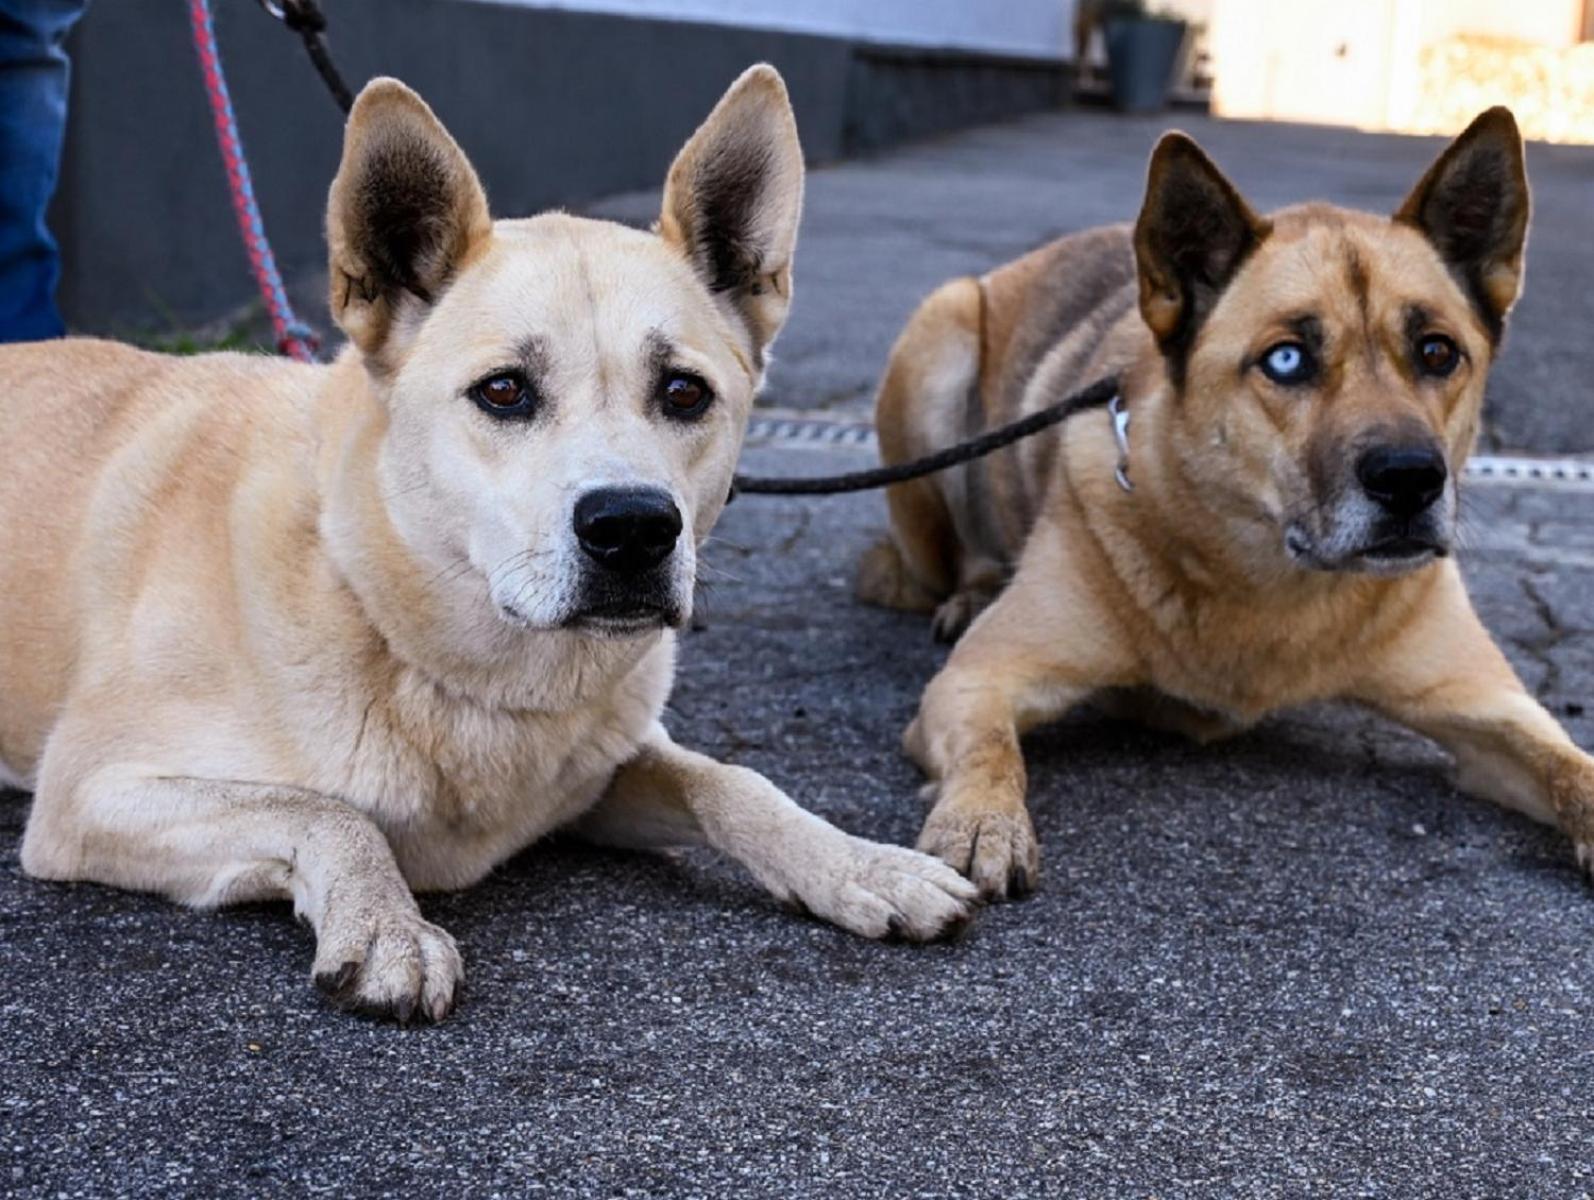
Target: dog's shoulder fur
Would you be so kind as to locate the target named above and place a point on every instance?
(203, 570)
(95, 431)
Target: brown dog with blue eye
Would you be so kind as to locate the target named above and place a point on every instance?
(1301, 391)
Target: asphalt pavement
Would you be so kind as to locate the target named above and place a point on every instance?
(1296, 964)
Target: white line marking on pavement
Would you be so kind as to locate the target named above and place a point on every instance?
(1564, 474)
(1502, 470)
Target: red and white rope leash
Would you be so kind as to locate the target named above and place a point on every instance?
(293, 336)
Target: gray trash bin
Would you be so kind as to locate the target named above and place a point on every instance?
(1142, 53)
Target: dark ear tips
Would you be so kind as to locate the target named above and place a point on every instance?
(1185, 187)
(1193, 232)
(1473, 205)
(1499, 118)
(1176, 146)
(1486, 154)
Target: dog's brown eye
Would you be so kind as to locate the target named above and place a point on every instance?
(686, 396)
(1438, 354)
(506, 394)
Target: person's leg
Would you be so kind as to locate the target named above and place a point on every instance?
(33, 94)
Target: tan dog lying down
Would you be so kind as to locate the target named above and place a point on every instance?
(1302, 391)
(334, 633)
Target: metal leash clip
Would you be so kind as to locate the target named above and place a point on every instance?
(1120, 434)
(310, 23)
(298, 15)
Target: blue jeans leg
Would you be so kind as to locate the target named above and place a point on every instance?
(34, 75)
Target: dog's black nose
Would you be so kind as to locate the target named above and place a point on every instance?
(1403, 479)
(627, 529)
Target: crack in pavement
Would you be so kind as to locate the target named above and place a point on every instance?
(1541, 649)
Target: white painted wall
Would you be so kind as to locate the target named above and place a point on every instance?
(1355, 62)
(1554, 23)
(1033, 28)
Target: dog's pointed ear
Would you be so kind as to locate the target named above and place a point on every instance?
(1473, 206)
(733, 200)
(405, 211)
(1193, 233)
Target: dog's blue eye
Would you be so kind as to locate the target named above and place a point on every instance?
(1288, 362)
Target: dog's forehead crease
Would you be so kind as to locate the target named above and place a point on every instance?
(554, 301)
(1338, 277)
(591, 288)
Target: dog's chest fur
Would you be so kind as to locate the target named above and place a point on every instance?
(1242, 658)
(458, 787)
(456, 782)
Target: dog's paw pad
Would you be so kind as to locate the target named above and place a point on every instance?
(998, 851)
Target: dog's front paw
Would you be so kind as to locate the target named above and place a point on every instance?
(389, 964)
(1585, 859)
(883, 891)
(997, 850)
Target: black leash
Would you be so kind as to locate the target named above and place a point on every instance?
(306, 19)
(1095, 396)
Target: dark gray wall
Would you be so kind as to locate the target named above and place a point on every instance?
(895, 94)
(553, 107)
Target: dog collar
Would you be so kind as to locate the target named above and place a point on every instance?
(1120, 434)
